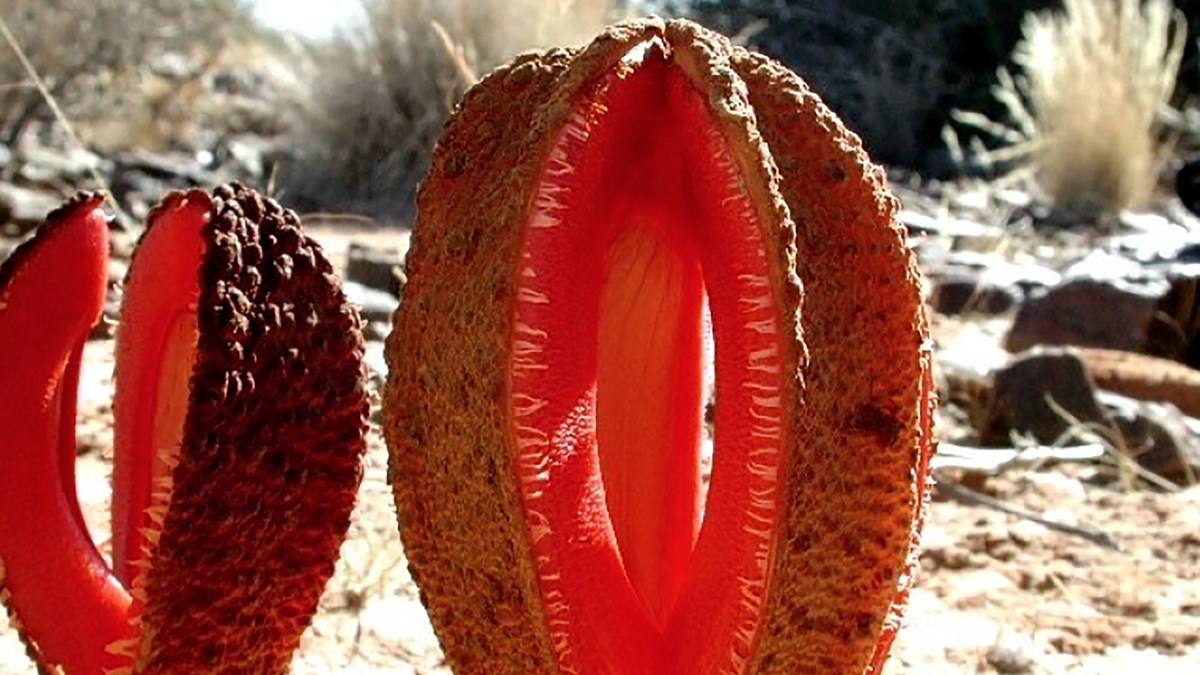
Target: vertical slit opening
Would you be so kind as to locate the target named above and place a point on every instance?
(649, 412)
(642, 221)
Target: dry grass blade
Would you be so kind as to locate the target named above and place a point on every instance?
(456, 54)
(36, 81)
(1121, 452)
(1084, 114)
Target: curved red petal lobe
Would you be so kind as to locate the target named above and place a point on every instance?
(640, 212)
(241, 412)
(67, 604)
(155, 355)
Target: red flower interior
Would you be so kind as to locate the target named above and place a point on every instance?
(156, 352)
(640, 219)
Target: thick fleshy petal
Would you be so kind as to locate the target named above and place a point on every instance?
(59, 591)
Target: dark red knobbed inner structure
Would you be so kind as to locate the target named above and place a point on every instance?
(641, 217)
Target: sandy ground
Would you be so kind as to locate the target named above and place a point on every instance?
(996, 594)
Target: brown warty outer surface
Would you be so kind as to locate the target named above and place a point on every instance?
(855, 390)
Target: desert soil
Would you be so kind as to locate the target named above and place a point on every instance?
(996, 593)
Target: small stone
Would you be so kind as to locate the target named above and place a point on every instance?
(245, 154)
(918, 224)
(997, 269)
(965, 234)
(972, 200)
(1149, 222)
(1111, 314)
(106, 327)
(373, 304)
(1160, 443)
(1174, 332)
(1188, 254)
(25, 208)
(963, 293)
(43, 165)
(375, 268)
(140, 178)
(984, 283)
(1026, 532)
(1013, 653)
(1055, 487)
(376, 331)
(976, 588)
(1146, 378)
(1004, 552)
(1023, 392)
(1102, 265)
(1187, 186)
(1018, 199)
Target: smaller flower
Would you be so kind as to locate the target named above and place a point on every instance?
(240, 420)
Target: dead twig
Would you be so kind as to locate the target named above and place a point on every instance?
(995, 460)
(968, 496)
(1123, 455)
(336, 218)
(456, 54)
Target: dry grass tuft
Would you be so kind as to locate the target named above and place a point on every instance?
(375, 97)
(1084, 110)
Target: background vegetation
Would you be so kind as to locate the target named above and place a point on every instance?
(895, 71)
(1083, 113)
(382, 91)
(96, 58)
(352, 117)
(892, 70)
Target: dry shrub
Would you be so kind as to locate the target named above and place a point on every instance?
(1083, 112)
(198, 100)
(892, 70)
(376, 96)
(86, 50)
(888, 84)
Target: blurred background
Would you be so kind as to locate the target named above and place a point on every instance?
(337, 105)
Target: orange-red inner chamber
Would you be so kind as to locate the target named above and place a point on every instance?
(640, 219)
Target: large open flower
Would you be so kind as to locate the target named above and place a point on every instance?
(586, 212)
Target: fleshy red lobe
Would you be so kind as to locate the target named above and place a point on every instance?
(156, 349)
(61, 592)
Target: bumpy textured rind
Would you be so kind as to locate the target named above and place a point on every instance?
(444, 408)
(858, 483)
(271, 455)
(861, 397)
